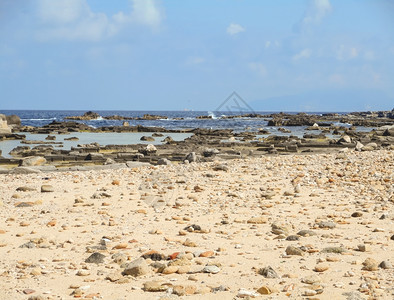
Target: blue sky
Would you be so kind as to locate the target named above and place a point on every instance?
(319, 55)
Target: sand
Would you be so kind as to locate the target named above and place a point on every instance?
(248, 213)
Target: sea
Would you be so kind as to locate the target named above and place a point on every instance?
(174, 120)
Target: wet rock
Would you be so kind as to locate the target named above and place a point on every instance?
(96, 258)
(147, 138)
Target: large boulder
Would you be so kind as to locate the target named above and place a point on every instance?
(32, 161)
(13, 120)
(4, 128)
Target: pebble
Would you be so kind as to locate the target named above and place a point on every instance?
(96, 258)
(291, 250)
(385, 265)
(46, 188)
(370, 265)
(137, 268)
(268, 272)
(211, 269)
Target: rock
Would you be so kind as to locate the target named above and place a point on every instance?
(24, 170)
(164, 162)
(306, 233)
(147, 138)
(170, 270)
(345, 140)
(46, 188)
(83, 273)
(243, 293)
(182, 261)
(268, 272)
(32, 161)
(321, 268)
(209, 152)
(357, 214)
(370, 265)
(385, 265)
(182, 290)
(264, 290)
(191, 157)
(13, 120)
(220, 168)
(29, 245)
(279, 229)
(96, 258)
(4, 128)
(363, 248)
(150, 149)
(113, 277)
(312, 279)
(211, 269)
(137, 268)
(333, 250)
(291, 250)
(154, 286)
(25, 189)
(327, 224)
(257, 220)
(292, 238)
(192, 228)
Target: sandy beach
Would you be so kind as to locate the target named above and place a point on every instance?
(277, 227)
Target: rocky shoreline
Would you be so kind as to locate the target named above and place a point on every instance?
(203, 145)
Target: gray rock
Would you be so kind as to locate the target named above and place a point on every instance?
(24, 170)
(291, 250)
(333, 250)
(95, 258)
(191, 157)
(137, 268)
(29, 245)
(208, 152)
(327, 224)
(268, 272)
(292, 238)
(164, 162)
(147, 138)
(306, 233)
(385, 265)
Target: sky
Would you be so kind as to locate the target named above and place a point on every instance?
(282, 55)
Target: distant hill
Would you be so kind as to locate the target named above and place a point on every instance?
(327, 101)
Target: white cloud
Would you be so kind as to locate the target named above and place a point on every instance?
(234, 29)
(74, 20)
(317, 11)
(267, 44)
(258, 67)
(337, 79)
(369, 55)
(306, 53)
(345, 53)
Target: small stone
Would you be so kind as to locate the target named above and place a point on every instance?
(357, 214)
(264, 290)
(385, 265)
(137, 267)
(257, 220)
(46, 188)
(268, 272)
(370, 264)
(309, 293)
(28, 291)
(83, 273)
(312, 279)
(154, 286)
(338, 250)
(211, 269)
(306, 233)
(96, 258)
(363, 248)
(182, 290)
(170, 270)
(113, 277)
(243, 293)
(291, 250)
(207, 254)
(321, 268)
(293, 238)
(327, 225)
